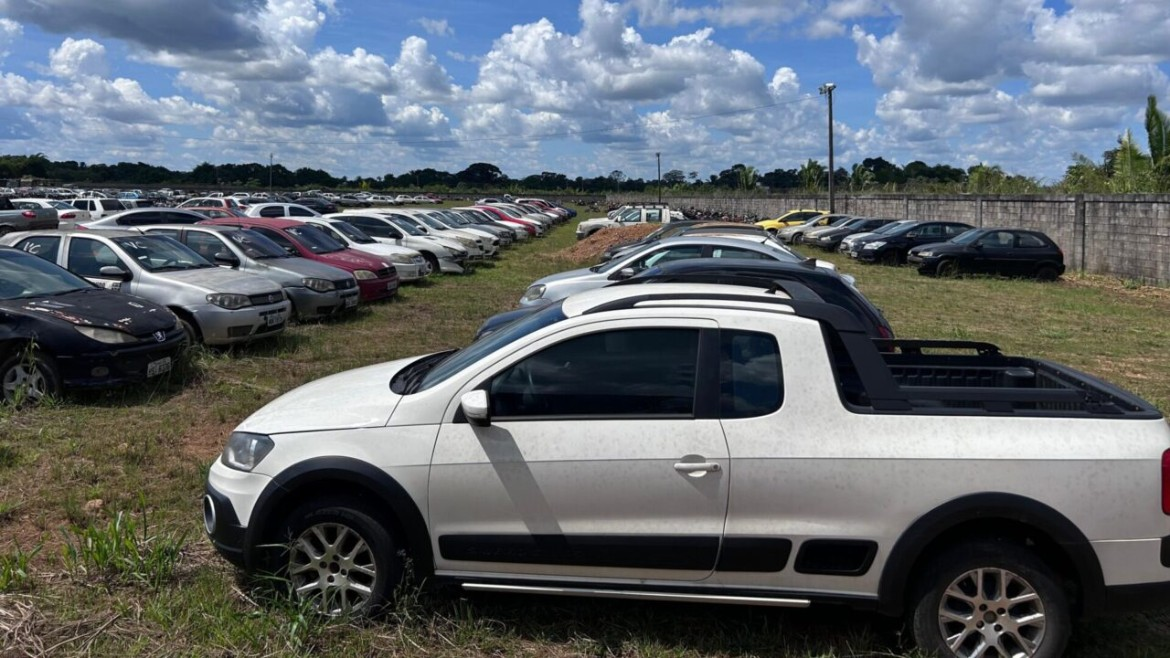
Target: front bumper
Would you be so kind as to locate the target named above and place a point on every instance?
(221, 326)
(411, 271)
(380, 288)
(310, 304)
(119, 366)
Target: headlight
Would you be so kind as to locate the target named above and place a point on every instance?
(229, 300)
(533, 293)
(461, 253)
(110, 336)
(400, 258)
(364, 275)
(466, 242)
(925, 254)
(875, 245)
(320, 285)
(244, 450)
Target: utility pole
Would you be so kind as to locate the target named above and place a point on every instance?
(827, 90)
(659, 157)
(270, 154)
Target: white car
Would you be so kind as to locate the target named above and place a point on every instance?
(443, 255)
(713, 444)
(477, 246)
(68, 216)
(145, 217)
(98, 207)
(410, 264)
(561, 285)
(293, 210)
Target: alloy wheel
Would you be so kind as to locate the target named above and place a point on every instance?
(991, 612)
(334, 567)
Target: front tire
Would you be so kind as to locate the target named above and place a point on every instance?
(340, 559)
(28, 377)
(947, 269)
(990, 599)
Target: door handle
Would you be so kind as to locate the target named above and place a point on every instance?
(696, 467)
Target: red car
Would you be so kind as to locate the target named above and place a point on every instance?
(376, 278)
(529, 226)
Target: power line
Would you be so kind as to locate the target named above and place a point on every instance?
(466, 140)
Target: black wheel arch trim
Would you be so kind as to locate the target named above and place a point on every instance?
(354, 472)
(906, 551)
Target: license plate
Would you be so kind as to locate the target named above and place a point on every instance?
(392, 285)
(853, 254)
(351, 301)
(274, 319)
(155, 368)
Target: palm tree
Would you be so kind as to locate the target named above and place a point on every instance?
(862, 178)
(748, 177)
(1131, 167)
(811, 174)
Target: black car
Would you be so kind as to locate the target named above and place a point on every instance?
(1006, 251)
(319, 204)
(59, 331)
(892, 247)
(831, 238)
(797, 280)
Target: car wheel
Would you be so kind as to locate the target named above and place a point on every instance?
(28, 377)
(1047, 273)
(340, 559)
(990, 598)
(947, 268)
(797, 238)
(191, 335)
(432, 261)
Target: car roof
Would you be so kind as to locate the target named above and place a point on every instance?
(111, 233)
(591, 300)
(273, 222)
(205, 227)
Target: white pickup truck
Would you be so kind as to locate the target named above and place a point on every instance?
(714, 443)
(627, 215)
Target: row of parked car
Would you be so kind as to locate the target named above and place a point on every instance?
(174, 277)
(944, 248)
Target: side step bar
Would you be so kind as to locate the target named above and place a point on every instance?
(637, 595)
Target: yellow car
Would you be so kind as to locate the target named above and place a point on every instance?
(790, 218)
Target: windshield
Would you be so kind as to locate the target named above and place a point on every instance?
(509, 333)
(892, 226)
(160, 253)
(352, 232)
(61, 205)
(407, 227)
(23, 276)
(631, 215)
(967, 237)
(431, 222)
(255, 245)
(508, 211)
(456, 217)
(313, 239)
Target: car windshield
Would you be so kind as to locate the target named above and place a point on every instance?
(405, 226)
(892, 227)
(967, 237)
(456, 217)
(352, 232)
(431, 222)
(255, 245)
(61, 205)
(313, 239)
(506, 334)
(23, 276)
(160, 253)
(508, 211)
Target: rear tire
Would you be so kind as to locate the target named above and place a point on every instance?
(990, 598)
(1047, 273)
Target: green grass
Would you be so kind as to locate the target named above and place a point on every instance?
(106, 487)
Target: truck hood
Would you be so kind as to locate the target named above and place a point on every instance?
(348, 400)
(597, 220)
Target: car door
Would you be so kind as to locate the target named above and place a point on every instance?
(600, 461)
(86, 257)
(995, 252)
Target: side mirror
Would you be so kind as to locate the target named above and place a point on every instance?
(291, 250)
(623, 274)
(224, 258)
(475, 406)
(978, 245)
(912, 234)
(114, 272)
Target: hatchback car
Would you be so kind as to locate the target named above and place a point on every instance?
(315, 289)
(214, 306)
(892, 247)
(1006, 251)
(376, 278)
(59, 331)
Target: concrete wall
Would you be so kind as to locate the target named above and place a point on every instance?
(1126, 236)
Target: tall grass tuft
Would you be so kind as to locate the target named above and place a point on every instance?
(123, 552)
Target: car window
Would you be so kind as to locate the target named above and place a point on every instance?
(272, 211)
(45, 246)
(930, 231)
(314, 240)
(750, 377)
(736, 252)
(999, 240)
(140, 219)
(87, 257)
(169, 232)
(158, 253)
(1029, 241)
(205, 244)
(297, 211)
(654, 215)
(629, 372)
(24, 276)
(278, 238)
(956, 229)
(667, 255)
(177, 218)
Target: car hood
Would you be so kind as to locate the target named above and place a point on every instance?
(563, 276)
(940, 248)
(297, 267)
(97, 307)
(348, 400)
(596, 220)
(218, 279)
(351, 259)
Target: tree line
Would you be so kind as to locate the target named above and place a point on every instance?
(1123, 169)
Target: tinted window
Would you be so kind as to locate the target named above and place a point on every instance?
(158, 253)
(140, 219)
(999, 240)
(956, 229)
(278, 238)
(632, 372)
(169, 232)
(735, 252)
(87, 257)
(178, 218)
(313, 239)
(667, 255)
(206, 245)
(272, 211)
(750, 379)
(1030, 241)
(45, 246)
(297, 211)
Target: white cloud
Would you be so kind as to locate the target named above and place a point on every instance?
(76, 58)
(10, 31)
(436, 27)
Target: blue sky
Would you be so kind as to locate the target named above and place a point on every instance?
(359, 87)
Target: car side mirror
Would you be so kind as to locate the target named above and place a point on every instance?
(912, 234)
(623, 274)
(475, 406)
(224, 258)
(291, 250)
(978, 245)
(114, 272)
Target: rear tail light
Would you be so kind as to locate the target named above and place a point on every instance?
(28, 214)
(1166, 482)
(69, 215)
